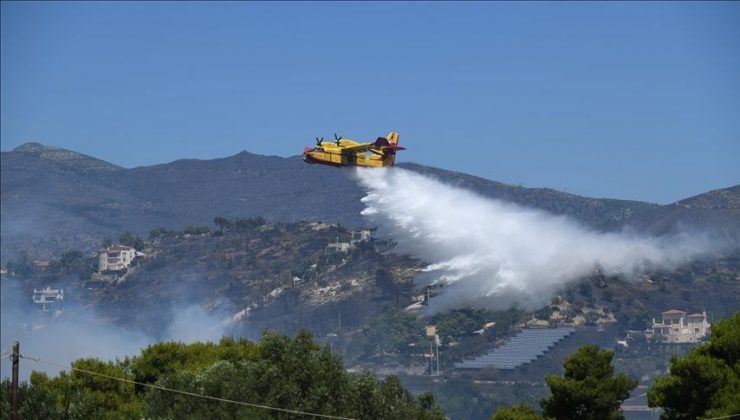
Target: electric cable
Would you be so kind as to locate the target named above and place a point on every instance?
(192, 394)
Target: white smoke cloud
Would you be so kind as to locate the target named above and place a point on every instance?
(78, 332)
(495, 254)
(192, 324)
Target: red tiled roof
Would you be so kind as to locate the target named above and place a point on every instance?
(674, 312)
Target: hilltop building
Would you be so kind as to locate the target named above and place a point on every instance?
(362, 235)
(676, 326)
(339, 246)
(116, 258)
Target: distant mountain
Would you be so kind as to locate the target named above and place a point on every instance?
(728, 198)
(67, 158)
(53, 199)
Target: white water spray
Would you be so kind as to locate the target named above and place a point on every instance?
(495, 254)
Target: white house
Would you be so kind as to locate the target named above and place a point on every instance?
(116, 258)
(676, 326)
(339, 246)
(47, 296)
(362, 235)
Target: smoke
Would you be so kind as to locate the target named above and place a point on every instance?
(496, 255)
(193, 324)
(78, 332)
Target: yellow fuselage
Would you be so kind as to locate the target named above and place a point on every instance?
(331, 153)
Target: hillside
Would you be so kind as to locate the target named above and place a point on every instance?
(283, 277)
(279, 276)
(716, 211)
(54, 199)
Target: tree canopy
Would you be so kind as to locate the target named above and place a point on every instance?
(129, 239)
(278, 371)
(588, 390)
(516, 412)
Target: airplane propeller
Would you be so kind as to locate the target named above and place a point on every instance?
(337, 138)
(318, 141)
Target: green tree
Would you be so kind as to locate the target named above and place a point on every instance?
(223, 224)
(80, 395)
(589, 389)
(23, 266)
(196, 230)
(34, 402)
(129, 239)
(290, 373)
(462, 399)
(71, 257)
(391, 332)
(221, 379)
(159, 232)
(243, 224)
(516, 412)
(705, 382)
(164, 358)
(459, 323)
(279, 371)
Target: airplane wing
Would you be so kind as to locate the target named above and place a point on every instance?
(359, 148)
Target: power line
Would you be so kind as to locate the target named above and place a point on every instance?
(192, 394)
(725, 417)
(5, 350)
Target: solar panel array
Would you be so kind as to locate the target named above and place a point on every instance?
(523, 348)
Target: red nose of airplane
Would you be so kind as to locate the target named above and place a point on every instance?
(307, 149)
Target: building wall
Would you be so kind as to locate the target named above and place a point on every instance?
(339, 247)
(682, 328)
(115, 260)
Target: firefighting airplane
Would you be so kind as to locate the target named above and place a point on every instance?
(346, 152)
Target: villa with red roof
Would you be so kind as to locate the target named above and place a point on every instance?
(676, 326)
(116, 258)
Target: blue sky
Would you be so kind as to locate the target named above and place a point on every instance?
(626, 100)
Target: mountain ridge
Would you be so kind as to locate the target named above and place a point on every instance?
(53, 198)
(68, 158)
